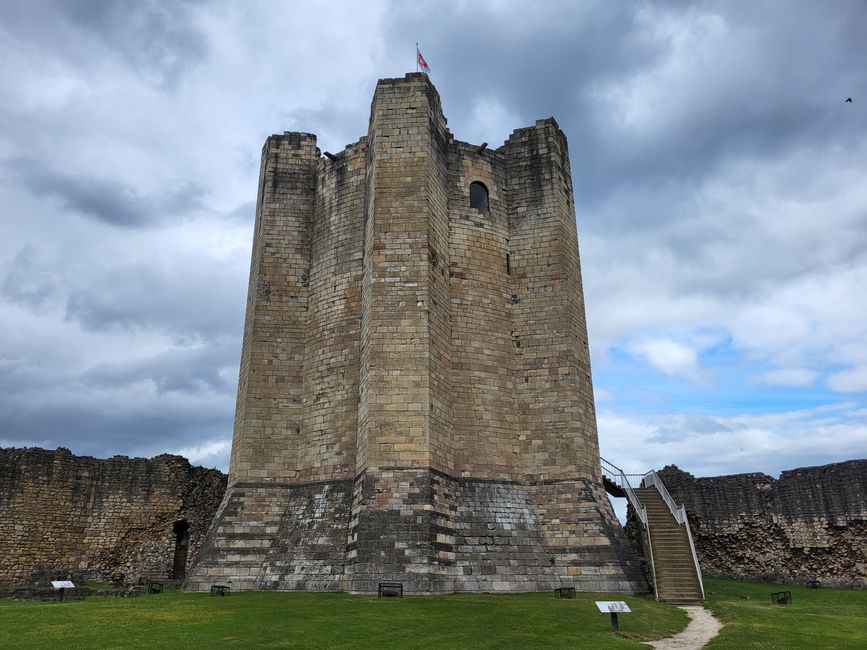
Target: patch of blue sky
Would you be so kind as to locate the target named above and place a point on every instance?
(628, 383)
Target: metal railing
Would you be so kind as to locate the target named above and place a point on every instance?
(651, 479)
(616, 476)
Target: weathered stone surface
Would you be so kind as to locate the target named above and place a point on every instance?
(810, 524)
(415, 392)
(282, 537)
(98, 519)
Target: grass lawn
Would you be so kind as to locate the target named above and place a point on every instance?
(816, 618)
(316, 620)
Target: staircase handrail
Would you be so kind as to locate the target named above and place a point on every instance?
(652, 479)
(694, 555)
(639, 509)
(618, 474)
(679, 514)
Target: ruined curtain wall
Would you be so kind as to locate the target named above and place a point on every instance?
(100, 519)
(810, 524)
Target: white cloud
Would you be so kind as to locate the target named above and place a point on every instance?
(794, 377)
(602, 395)
(213, 453)
(672, 358)
(719, 445)
(853, 380)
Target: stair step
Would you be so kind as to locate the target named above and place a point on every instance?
(676, 578)
(674, 533)
(655, 524)
(675, 565)
(673, 591)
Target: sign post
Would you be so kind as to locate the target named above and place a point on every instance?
(613, 607)
(62, 585)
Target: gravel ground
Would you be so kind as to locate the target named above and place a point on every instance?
(701, 629)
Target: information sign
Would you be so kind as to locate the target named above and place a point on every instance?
(62, 584)
(607, 606)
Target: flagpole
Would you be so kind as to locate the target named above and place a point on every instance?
(416, 57)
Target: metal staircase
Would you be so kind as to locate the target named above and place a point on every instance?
(666, 537)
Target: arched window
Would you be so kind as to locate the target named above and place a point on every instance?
(478, 196)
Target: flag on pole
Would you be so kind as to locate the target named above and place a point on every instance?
(422, 64)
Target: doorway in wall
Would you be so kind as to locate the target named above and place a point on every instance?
(182, 543)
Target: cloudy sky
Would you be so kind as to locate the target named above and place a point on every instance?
(719, 184)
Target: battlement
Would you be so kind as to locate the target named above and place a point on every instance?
(409, 79)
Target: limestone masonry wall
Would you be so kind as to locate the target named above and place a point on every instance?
(810, 524)
(418, 367)
(110, 519)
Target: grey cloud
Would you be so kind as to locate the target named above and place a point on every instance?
(552, 60)
(105, 432)
(689, 426)
(172, 399)
(184, 300)
(189, 370)
(245, 212)
(335, 126)
(20, 375)
(158, 38)
(26, 282)
(104, 199)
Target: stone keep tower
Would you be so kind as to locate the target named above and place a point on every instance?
(415, 400)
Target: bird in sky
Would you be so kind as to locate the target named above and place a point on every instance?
(848, 100)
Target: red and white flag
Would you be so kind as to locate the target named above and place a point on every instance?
(422, 64)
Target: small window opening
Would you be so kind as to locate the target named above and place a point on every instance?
(478, 196)
(508, 265)
(182, 544)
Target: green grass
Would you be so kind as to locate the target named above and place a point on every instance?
(310, 620)
(816, 618)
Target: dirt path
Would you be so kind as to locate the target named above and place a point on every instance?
(701, 629)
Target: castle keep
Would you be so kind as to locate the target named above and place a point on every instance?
(415, 399)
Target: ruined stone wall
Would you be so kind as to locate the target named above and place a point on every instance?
(100, 519)
(810, 524)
